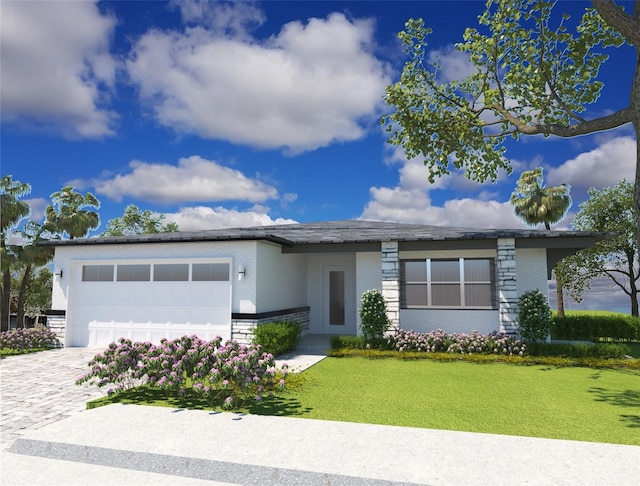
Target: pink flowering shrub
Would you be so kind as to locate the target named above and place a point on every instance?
(441, 342)
(228, 373)
(26, 339)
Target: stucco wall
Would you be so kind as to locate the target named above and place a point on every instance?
(243, 296)
(531, 268)
(368, 277)
(281, 279)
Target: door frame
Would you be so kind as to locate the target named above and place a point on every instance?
(349, 326)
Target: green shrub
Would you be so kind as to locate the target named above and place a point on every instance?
(603, 351)
(348, 342)
(596, 328)
(534, 316)
(277, 337)
(374, 321)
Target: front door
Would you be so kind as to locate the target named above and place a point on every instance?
(339, 307)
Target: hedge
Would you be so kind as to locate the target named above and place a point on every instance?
(277, 337)
(596, 328)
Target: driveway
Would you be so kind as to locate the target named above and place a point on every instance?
(38, 389)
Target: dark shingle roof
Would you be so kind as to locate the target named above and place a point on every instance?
(347, 231)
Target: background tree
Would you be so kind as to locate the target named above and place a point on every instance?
(536, 204)
(532, 77)
(37, 296)
(611, 209)
(28, 257)
(68, 213)
(12, 211)
(135, 221)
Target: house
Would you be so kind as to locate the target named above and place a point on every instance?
(226, 281)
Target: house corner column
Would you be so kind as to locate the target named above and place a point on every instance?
(507, 285)
(391, 281)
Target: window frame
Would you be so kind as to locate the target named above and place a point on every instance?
(462, 284)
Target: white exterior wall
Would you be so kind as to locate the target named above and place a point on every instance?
(281, 279)
(368, 277)
(242, 252)
(532, 269)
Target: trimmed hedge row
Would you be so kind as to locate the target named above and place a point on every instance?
(596, 328)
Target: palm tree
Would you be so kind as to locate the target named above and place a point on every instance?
(12, 210)
(535, 204)
(68, 214)
(30, 256)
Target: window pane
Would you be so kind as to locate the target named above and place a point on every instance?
(210, 272)
(97, 273)
(477, 270)
(477, 295)
(415, 271)
(445, 270)
(336, 298)
(171, 272)
(445, 294)
(416, 295)
(134, 273)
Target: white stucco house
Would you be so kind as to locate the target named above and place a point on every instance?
(224, 282)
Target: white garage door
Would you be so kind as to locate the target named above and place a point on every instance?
(148, 301)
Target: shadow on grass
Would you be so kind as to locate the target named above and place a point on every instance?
(626, 398)
(144, 395)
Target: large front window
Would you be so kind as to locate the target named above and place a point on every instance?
(447, 283)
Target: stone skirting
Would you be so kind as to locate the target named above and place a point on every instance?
(507, 287)
(242, 325)
(391, 281)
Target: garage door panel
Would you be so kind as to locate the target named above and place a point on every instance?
(102, 312)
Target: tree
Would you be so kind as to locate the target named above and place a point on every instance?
(68, 213)
(37, 297)
(134, 221)
(531, 78)
(611, 210)
(535, 204)
(12, 212)
(28, 257)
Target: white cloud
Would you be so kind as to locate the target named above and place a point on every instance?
(453, 64)
(37, 205)
(56, 69)
(415, 206)
(203, 218)
(308, 86)
(193, 179)
(603, 166)
(225, 19)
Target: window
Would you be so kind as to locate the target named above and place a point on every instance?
(97, 273)
(447, 283)
(171, 272)
(210, 272)
(134, 273)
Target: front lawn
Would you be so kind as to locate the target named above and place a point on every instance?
(576, 403)
(599, 405)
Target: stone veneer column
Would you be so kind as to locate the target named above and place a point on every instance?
(391, 280)
(507, 285)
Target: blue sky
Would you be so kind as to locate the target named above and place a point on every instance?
(239, 114)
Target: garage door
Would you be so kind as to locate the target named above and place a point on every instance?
(148, 301)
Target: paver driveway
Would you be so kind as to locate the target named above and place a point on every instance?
(38, 389)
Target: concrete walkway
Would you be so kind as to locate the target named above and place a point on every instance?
(49, 439)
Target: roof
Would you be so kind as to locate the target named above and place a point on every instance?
(337, 232)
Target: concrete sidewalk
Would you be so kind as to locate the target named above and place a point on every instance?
(132, 444)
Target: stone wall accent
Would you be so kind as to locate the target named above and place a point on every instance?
(57, 322)
(507, 285)
(242, 328)
(391, 281)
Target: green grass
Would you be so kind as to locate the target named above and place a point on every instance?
(537, 401)
(575, 403)
(4, 352)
